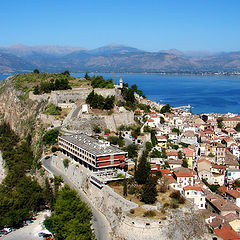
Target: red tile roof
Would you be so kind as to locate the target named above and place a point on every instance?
(173, 153)
(227, 233)
(222, 189)
(233, 193)
(218, 166)
(183, 174)
(165, 171)
(196, 188)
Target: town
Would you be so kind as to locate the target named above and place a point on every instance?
(147, 170)
(194, 155)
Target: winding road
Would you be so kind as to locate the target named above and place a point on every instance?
(101, 226)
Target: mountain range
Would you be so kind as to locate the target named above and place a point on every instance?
(113, 58)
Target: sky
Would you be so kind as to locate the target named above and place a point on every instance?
(151, 25)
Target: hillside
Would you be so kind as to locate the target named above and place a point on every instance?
(113, 58)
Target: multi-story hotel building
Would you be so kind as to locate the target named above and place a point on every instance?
(92, 153)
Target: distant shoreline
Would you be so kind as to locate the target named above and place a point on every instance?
(157, 73)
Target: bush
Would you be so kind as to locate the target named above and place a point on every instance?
(50, 137)
(149, 213)
(131, 189)
(177, 195)
(66, 163)
(132, 211)
(53, 110)
(165, 205)
(174, 205)
(54, 149)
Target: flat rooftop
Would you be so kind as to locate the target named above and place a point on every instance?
(92, 145)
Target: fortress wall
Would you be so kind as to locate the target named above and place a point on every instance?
(114, 207)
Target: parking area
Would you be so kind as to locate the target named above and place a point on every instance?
(31, 230)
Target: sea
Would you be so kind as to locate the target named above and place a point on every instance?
(205, 93)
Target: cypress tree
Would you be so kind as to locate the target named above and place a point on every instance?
(143, 170)
(125, 187)
(149, 192)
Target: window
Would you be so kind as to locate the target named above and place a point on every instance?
(201, 205)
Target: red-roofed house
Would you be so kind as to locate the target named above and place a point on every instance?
(195, 194)
(226, 233)
(185, 178)
(165, 172)
(172, 155)
(234, 196)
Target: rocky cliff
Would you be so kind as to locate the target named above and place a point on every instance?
(19, 111)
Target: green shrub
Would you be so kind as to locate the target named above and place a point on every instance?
(52, 110)
(174, 205)
(149, 213)
(66, 163)
(54, 149)
(131, 189)
(50, 137)
(165, 205)
(132, 211)
(177, 195)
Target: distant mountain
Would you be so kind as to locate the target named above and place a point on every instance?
(10, 63)
(113, 57)
(114, 48)
(21, 50)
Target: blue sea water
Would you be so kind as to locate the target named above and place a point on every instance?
(209, 93)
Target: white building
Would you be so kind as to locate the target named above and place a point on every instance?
(195, 194)
(232, 175)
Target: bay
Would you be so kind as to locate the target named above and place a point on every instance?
(208, 93)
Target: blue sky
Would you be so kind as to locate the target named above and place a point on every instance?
(152, 25)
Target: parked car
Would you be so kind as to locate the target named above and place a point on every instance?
(41, 234)
(3, 232)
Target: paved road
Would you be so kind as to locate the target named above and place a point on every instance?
(29, 232)
(75, 113)
(100, 224)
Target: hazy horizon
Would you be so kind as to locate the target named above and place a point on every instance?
(149, 25)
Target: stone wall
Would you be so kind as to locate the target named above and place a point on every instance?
(179, 224)
(73, 95)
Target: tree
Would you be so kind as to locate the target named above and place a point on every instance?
(48, 194)
(166, 109)
(204, 118)
(162, 120)
(36, 71)
(180, 156)
(66, 163)
(96, 129)
(132, 150)
(66, 73)
(237, 128)
(149, 191)
(51, 136)
(155, 154)
(109, 102)
(159, 174)
(148, 146)
(185, 163)
(87, 77)
(71, 218)
(125, 187)
(176, 130)
(143, 170)
(36, 90)
(220, 123)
